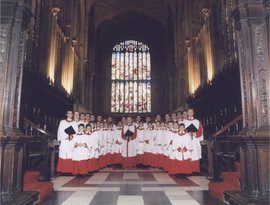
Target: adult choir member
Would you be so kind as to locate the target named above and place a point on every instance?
(129, 144)
(195, 129)
(65, 133)
(76, 119)
(140, 143)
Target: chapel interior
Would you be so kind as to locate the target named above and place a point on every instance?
(209, 55)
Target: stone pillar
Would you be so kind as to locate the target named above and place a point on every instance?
(207, 45)
(251, 25)
(52, 62)
(15, 16)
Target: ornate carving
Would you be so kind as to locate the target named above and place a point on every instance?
(244, 82)
(187, 43)
(262, 75)
(4, 48)
(55, 10)
(205, 13)
(19, 79)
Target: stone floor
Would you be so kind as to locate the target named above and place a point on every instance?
(112, 186)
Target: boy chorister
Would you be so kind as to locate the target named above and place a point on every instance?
(92, 146)
(103, 139)
(147, 148)
(179, 117)
(117, 141)
(82, 119)
(159, 141)
(147, 120)
(181, 146)
(167, 147)
(81, 152)
(87, 118)
(88, 147)
(111, 123)
(96, 152)
(110, 143)
(174, 117)
(173, 134)
(167, 118)
(163, 155)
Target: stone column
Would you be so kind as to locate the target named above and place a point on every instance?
(15, 16)
(251, 25)
(207, 45)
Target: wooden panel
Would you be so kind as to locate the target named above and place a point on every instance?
(254, 173)
(42, 103)
(263, 168)
(11, 170)
(218, 103)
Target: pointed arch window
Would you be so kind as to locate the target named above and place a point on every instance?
(131, 78)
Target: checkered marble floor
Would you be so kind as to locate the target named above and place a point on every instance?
(111, 186)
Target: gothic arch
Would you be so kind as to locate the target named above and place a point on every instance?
(137, 25)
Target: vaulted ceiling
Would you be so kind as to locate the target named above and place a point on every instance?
(156, 9)
(116, 20)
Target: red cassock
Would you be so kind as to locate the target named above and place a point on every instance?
(102, 138)
(181, 146)
(129, 147)
(92, 162)
(116, 146)
(80, 154)
(147, 148)
(196, 139)
(65, 163)
(140, 145)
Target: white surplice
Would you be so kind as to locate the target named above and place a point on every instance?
(65, 148)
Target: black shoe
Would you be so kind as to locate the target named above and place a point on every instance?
(90, 174)
(181, 176)
(66, 174)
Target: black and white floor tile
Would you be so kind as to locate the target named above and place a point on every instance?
(112, 186)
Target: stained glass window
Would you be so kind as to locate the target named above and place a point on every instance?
(131, 78)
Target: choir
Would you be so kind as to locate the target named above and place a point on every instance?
(89, 143)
